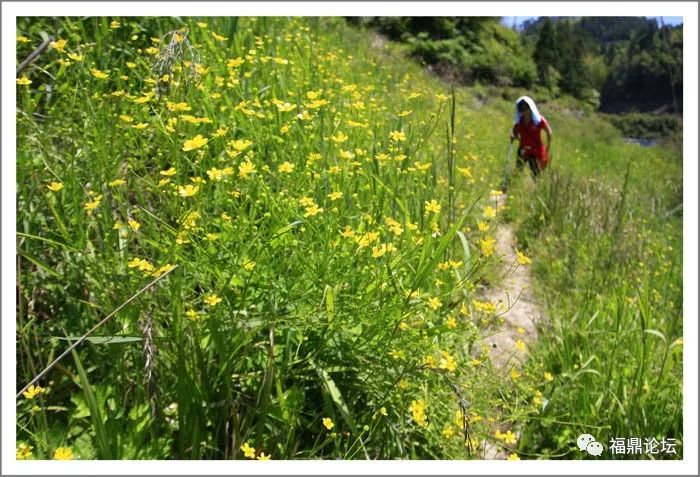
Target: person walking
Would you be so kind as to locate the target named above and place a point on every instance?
(527, 128)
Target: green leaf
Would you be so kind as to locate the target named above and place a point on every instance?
(657, 333)
(95, 414)
(104, 339)
(467, 253)
(427, 268)
(330, 303)
(332, 389)
(280, 237)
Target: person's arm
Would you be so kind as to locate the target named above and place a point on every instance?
(513, 134)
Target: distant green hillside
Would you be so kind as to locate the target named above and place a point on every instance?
(617, 64)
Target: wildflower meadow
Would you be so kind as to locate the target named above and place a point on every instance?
(281, 234)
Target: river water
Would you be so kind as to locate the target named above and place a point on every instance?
(641, 141)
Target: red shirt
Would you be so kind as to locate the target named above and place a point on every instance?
(530, 134)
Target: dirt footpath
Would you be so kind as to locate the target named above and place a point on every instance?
(520, 318)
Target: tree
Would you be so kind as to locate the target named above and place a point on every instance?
(546, 52)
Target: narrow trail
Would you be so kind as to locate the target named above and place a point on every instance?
(521, 318)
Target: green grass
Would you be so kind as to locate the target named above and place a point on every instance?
(313, 280)
(605, 231)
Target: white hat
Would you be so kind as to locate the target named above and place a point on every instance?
(536, 118)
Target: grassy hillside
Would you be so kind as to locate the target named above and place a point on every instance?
(308, 204)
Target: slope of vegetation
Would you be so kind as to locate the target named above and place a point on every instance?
(318, 215)
(303, 210)
(605, 230)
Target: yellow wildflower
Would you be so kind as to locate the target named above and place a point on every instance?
(216, 174)
(306, 201)
(548, 376)
(212, 300)
(98, 74)
(165, 268)
(366, 239)
(55, 186)
(248, 451)
(23, 81)
(178, 107)
(117, 182)
(93, 204)
(144, 99)
(513, 456)
(192, 314)
(432, 206)
(487, 246)
(63, 453)
(235, 62)
(264, 456)
(221, 132)
(33, 391)
(312, 210)
(520, 345)
(286, 166)
(195, 143)
(285, 107)
(23, 451)
(241, 144)
(434, 303)
(447, 361)
(489, 212)
(58, 45)
(339, 137)
(398, 136)
(509, 438)
(328, 423)
(451, 322)
(317, 103)
(245, 169)
(378, 251)
(522, 259)
(417, 410)
(188, 191)
(465, 171)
